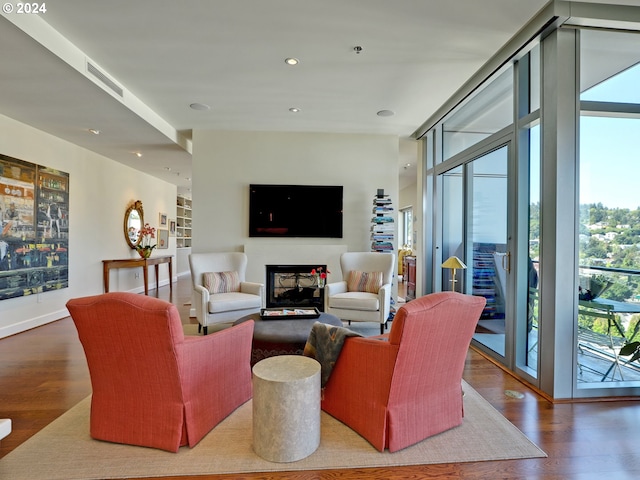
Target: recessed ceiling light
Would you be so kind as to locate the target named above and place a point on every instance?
(385, 113)
(200, 106)
(95, 131)
(168, 169)
(291, 61)
(137, 154)
(294, 110)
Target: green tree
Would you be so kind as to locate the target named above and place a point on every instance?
(618, 291)
(595, 249)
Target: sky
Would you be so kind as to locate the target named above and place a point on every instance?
(610, 147)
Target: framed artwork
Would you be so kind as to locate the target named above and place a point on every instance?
(34, 228)
(163, 220)
(163, 239)
(172, 228)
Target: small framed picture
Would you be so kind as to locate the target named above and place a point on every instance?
(172, 228)
(163, 220)
(163, 239)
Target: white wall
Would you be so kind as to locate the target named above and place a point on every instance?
(226, 163)
(99, 192)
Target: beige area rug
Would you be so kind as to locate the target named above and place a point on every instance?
(64, 451)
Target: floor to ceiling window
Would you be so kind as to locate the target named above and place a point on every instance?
(609, 206)
(533, 173)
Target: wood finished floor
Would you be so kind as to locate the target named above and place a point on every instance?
(43, 373)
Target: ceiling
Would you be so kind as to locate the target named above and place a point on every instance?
(230, 55)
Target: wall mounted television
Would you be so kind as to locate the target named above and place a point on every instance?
(295, 211)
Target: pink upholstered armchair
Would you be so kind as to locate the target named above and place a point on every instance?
(400, 388)
(152, 386)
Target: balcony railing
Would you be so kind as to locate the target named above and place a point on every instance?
(608, 317)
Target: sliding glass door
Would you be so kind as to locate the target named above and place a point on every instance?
(487, 245)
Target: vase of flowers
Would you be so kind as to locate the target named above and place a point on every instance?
(321, 277)
(144, 248)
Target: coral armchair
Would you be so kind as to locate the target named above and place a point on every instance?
(152, 386)
(398, 389)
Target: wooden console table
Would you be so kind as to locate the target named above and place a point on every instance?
(137, 263)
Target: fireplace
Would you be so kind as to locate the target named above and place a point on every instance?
(294, 286)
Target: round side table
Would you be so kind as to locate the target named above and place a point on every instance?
(286, 408)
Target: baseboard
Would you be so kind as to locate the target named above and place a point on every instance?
(31, 323)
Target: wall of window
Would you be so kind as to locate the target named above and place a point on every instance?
(609, 208)
(566, 102)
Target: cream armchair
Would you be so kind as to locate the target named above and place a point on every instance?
(220, 293)
(364, 294)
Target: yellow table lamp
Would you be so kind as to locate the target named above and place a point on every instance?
(453, 263)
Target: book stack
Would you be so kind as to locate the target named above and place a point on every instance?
(382, 224)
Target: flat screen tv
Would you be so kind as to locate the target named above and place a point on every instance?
(295, 211)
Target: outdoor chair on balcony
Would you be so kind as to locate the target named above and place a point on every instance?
(599, 350)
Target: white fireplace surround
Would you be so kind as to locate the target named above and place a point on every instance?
(259, 256)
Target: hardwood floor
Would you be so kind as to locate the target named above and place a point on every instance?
(43, 373)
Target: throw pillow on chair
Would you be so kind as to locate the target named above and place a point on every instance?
(221, 282)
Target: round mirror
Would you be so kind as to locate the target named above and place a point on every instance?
(133, 222)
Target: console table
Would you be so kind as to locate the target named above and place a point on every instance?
(139, 263)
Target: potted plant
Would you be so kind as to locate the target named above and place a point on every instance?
(145, 248)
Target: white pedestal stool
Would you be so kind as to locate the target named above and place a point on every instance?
(286, 407)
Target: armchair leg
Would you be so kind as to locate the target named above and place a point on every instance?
(199, 327)
(382, 325)
(204, 330)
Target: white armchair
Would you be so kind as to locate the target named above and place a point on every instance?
(220, 293)
(364, 294)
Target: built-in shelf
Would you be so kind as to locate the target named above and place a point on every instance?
(183, 222)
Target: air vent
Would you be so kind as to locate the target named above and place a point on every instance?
(93, 70)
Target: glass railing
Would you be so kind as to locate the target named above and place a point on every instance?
(608, 317)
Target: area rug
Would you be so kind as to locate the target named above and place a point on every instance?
(64, 451)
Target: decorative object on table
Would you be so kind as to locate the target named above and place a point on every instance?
(594, 286)
(163, 220)
(144, 248)
(453, 263)
(163, 239)
(321, 277)
(288, 313)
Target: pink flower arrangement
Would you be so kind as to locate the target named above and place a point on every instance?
(147, 233)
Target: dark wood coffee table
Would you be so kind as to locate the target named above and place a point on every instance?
(282, 337)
